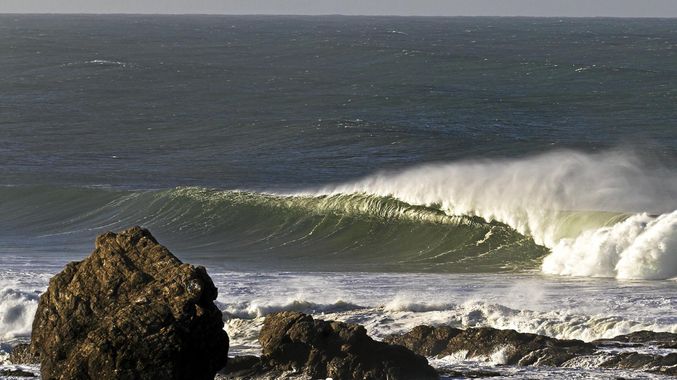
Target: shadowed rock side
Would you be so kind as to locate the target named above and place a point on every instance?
(296, 344)
(22, 354)
(658, 339)
(619, 353)
(531, 349)
(516, 348)
(129, 310)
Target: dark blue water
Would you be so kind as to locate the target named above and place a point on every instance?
(285, 102)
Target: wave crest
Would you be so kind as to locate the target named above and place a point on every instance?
(566, 201)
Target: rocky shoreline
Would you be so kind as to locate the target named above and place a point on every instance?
(133, 310)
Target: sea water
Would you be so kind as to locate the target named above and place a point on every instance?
(506, 172)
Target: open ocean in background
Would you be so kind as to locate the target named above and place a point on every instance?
(388, 171)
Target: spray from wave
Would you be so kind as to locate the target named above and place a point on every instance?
(596, 212)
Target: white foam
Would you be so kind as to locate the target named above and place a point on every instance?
(498, 357)
(17, 308)
(106, 62)
(400, 316)
(555, 323)
(260, 308)
(641, 247)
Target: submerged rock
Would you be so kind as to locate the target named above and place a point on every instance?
(503, 346)
(245, 367)
(129, 310)
(16, 373)
(663, 364)
(511, 347)
(626, 359)
(641, 338)
(295, 343)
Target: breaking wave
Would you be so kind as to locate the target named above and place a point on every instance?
(603, 215)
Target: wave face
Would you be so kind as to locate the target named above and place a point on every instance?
(605, 215)
(325, 232)
(602, 215)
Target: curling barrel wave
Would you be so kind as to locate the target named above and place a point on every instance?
(603, 215)
(352, 232)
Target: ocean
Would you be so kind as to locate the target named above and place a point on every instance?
(389, 171)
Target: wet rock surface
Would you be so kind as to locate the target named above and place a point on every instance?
(22, 354)
(641, 338)
(295, 343)
(621, 355)
(16, 373)
(129, 310)
(513, 348)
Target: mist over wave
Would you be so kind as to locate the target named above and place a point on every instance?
(597, 212)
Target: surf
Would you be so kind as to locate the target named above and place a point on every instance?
(631, 232)
(563, 213)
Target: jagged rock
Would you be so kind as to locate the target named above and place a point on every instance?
(242, 367)
(516, 348)
(663, 364)
(22, 354)
(426, 340)
(471, 374)
(129, 310)
(296, 342)
(16, 373)
(657, 339)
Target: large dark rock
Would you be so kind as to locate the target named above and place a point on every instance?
(296, 342)
(517, 348)
(131, 310)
